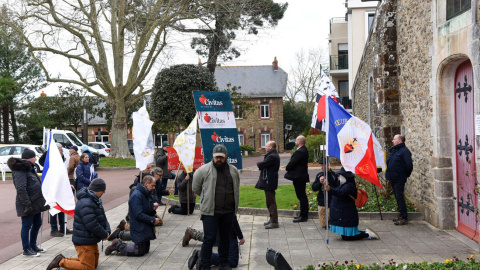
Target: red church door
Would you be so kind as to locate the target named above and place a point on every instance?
(465, 152)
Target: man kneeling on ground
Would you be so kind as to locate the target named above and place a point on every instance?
(90, 225)
(142, 221)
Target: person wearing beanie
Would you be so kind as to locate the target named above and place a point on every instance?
(217, 183)
(161, 161)
(90, 226)
(29, 201)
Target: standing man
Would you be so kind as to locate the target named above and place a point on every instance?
(217, 183)
(90, 225)
(142, 221)
(268, 181)
(162, 162)
(297, 171)
(73, 163)
(399, 168)
(29, 202)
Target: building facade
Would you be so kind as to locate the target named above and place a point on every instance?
(418, 76)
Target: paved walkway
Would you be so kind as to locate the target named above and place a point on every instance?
(301, 244)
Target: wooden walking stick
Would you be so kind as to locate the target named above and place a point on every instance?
(188, 194)
(170, 195)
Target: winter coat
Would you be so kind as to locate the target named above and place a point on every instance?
(28, 186)
(161, 161)
(84, 175)
(72, 164)
(317, 186)
(399, 164)
(343, 211)
(268, 167)
(90, 223)
(204, 184)
(142, 215)
(297, 167)
(184, 185)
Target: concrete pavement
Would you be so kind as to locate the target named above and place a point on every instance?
(301, 244)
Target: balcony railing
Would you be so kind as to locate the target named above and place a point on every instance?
(346, 102)
(338, 62)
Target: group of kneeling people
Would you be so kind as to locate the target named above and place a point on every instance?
(91, 225)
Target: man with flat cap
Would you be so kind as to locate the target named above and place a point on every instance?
(217, 183)
(90, 226)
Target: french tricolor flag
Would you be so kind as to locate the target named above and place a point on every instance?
(56, 187)
(352, 141)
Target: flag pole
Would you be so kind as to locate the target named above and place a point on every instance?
(170, 195)
(378, 203)
(188, 195)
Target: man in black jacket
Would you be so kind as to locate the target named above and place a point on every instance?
(268, 181)
(297, 171)
(29, 202)
(90, 226)
(161, 161)
(142, 221)
(399, 168)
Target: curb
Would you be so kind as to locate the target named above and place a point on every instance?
(312, 214)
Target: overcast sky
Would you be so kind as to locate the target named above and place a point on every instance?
(304, 26)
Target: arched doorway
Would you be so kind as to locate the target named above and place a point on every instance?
(465, 151)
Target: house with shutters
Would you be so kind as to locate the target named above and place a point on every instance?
(264, 86)
(418, 76)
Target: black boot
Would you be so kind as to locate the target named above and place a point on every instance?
(113, 246)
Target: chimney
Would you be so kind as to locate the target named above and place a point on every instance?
(275, 64)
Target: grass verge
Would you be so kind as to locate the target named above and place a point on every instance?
(116, 162)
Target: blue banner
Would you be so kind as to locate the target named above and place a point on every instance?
(227, 137)
(217, 125)
(212, 101)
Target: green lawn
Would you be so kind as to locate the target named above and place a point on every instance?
(117, 162)
(286, 199)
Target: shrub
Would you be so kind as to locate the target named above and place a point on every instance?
(246, 147)
(313, 146)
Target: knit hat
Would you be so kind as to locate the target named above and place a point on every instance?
(84, 148)
(97, 184)
(165, 143)
(27, 154)
(74, 148)
(219, 151)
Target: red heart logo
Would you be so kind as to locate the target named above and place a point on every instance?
(207, 118)
(203, 99)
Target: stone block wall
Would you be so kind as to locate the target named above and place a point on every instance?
(392, 91)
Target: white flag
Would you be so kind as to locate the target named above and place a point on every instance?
(143, 146)
(55, 183)
(185, 145)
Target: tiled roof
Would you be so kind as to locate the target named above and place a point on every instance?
(255, 81)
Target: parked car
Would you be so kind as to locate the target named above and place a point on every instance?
(102, 148)
(15, 150)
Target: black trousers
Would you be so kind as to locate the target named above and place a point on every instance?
(302, 197)
(221, 224)
(271, 205)
(399, 190)
(182, 210)
(359, 236)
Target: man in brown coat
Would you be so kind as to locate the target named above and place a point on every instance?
(74, 159)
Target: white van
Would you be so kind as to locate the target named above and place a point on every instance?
(67, 139)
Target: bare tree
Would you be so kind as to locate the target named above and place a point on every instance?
(304, 77)
(106, 48)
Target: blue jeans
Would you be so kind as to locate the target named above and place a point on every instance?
(61, 222)
(221, 223)
(30, 226)
(399, 190)
(232, 254)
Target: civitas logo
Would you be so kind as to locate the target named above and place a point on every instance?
(221, 139)
(213, 120)
(210, 102)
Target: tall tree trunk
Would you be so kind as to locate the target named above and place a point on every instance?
(16, 136)
(119, 129)
(5, 122)
(214, 50)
